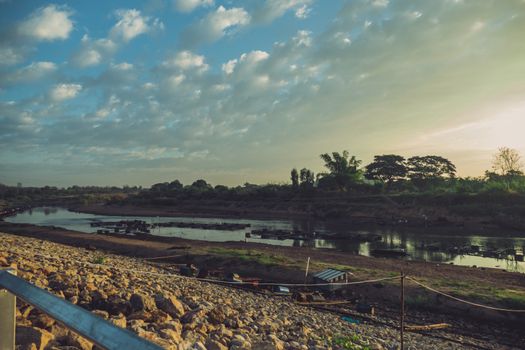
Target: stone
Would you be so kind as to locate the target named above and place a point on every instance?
(215, 345)
(75, 340)
(170, 334)
(44, 321)
(170, 305)
(101, 313)
(119, 321)
(28, 335)
(141, 302)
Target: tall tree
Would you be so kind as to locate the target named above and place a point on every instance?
(507, 166)
(294, 175)
(507, 162)
(343, 169)
(387, 168)
(307, 178)
(430, 167)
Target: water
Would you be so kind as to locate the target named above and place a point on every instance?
(414, 242)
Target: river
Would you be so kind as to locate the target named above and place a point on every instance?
(420, 245)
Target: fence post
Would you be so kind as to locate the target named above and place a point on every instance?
(402, 313)
(7, 317)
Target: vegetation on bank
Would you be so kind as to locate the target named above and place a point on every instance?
(429, 180)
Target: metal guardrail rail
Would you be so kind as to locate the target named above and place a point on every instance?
(99, 331)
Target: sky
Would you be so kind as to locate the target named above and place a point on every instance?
(141, 92)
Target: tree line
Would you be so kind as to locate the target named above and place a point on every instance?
(393, 172)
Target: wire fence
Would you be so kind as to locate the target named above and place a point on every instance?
(287, 284)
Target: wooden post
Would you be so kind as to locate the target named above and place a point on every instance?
(402, 313)
(307, 267)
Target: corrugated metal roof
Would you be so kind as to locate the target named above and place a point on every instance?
(329, 274)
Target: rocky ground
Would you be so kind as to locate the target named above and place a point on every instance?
(182, 313)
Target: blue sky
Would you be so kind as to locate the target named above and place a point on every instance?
(139, 92)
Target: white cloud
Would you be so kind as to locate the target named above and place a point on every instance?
(63, 92)
(303, 38)
(190, 5)
(302, 12)
(93, 52)
(34, 71)
(122, 66)
(380, 3)
(132, 24)
(254, 56)
(229, 66)
(186, 60)
(215, 25)
(47, 23)
(272, 9)
(10, 55)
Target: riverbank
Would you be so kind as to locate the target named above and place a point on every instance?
(282, 263)
(180, 313)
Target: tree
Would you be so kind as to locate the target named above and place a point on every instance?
(295, 178)
(201, 184)
(343, 169)
(175, 185)
(506, 166)
(507, 162)
(387, 168)
(430, 168)
(307, 178)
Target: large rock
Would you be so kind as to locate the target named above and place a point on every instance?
(28, 335)
(215, 345)
(77, 341)
(170, 305)
(140, 302)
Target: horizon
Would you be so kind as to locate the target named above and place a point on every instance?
(137, 93)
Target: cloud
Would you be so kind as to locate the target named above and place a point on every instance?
(132, 24)
(47, 24)
(143, 118)
(32, 72)
(62, 92)
(93, 52)
(190, 5)
(215, 25)
(11, 55)
(269, 10)
(303, 12)
(186, 60)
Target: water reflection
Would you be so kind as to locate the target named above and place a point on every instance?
(437, 247)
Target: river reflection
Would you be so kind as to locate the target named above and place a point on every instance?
(420, 245)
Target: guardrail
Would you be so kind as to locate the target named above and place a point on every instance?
(97, 330)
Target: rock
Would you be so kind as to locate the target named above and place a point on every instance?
(31, 346)
(170, 305)
(75, 340)
(215, 345)
(44, 321)
(191, 316)
(28, 335)
(170, 334)
(3, 261)
(140, 302)
(119, 321)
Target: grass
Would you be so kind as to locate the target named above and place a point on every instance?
(349, 342)
(483, 293)
(253, 255)
(98, 260)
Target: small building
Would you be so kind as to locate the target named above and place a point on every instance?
(333, 277)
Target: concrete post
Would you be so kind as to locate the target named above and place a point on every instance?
(7, 317)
